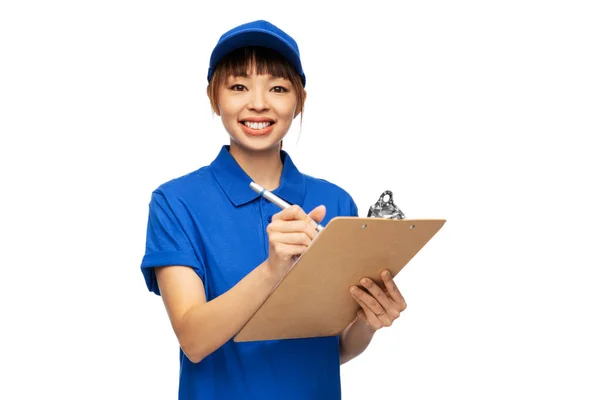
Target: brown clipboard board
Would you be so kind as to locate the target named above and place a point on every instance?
(313, 299)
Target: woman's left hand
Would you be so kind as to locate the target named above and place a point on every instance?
(379, 306)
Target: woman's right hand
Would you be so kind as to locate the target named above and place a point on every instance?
(290, 233)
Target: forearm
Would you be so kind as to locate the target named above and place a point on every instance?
(206, 327)
(354, 340)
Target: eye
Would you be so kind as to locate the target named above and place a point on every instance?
(238, 88)
(279, 89)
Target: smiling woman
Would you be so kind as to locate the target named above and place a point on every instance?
(257, 93)
(256, 105)
(215, 258)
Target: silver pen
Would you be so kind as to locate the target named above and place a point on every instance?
(275, 199)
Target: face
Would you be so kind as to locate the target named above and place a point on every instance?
(257, 110)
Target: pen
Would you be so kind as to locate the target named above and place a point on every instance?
(274, 199)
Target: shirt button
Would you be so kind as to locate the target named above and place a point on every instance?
(269, 219)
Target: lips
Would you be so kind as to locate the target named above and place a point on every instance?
(257, 126)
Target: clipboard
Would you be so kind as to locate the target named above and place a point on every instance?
(313, 299)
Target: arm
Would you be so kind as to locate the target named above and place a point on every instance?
(202, 327)
(354, 340)
(378, 308)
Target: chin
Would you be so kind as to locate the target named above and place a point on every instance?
(254, 145)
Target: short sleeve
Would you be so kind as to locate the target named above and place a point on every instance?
(166, 242)
(348, 207)
(353, 208)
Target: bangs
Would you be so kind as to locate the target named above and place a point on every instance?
(259, 60)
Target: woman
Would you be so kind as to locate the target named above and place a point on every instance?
(215, 249)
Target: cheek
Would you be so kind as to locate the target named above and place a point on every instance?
(287, 109)
(228, 110)
(229, 105)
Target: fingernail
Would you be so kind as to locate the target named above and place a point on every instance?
(354, 289)
(387, 274)
(365, 282)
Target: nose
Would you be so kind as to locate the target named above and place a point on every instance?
(258, 101)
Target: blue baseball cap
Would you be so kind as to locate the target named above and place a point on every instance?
(257, 33)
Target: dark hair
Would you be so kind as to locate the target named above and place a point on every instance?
(260, 60)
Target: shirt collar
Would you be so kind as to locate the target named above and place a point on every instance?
(236, 183)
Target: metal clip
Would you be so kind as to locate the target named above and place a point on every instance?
(385, 208)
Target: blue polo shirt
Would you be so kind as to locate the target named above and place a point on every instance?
(211, 221)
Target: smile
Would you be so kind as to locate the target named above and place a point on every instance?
(256, 128)
(257, 125)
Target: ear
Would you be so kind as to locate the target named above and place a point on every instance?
(299, 110)
(216, 111)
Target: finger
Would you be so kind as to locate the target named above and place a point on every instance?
(383, 315)
(288, 251)
(292, 226)
(291, 213)
(295, 212)
(292, 238)
(367, 316)
(370, 303)
(392, 290)
(375, 320)
(372, 325)
(318, 213)
(379, 295)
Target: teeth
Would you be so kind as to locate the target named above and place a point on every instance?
(256, 125)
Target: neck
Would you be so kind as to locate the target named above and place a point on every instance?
(263, 167)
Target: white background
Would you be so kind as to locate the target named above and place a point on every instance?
(483, 113)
